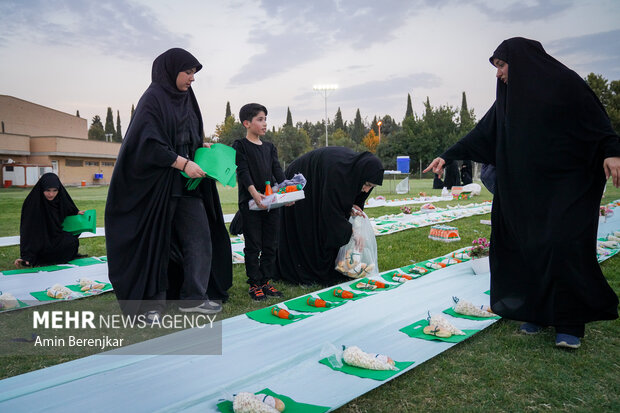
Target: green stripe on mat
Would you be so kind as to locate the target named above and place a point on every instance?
(83, 262)
(450, 311)
(290, 405)
(415, 330)
(264, 316)
(299, 304)
(47, 268)
(366, 373)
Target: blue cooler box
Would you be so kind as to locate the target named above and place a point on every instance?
(402, 164)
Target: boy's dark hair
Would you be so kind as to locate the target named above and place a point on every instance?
(247, 112)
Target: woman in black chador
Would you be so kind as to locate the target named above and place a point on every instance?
(466, 173)
(42, 240)
(553, 146)
(452, 177)
(161, 238)
(313, 230)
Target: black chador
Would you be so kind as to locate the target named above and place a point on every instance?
(313, 229)
(547, 135)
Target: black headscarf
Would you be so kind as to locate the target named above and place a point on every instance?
(312, 230)
(41, 220)
(547, 134)
(138, 214)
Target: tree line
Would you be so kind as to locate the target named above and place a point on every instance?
(420, 136)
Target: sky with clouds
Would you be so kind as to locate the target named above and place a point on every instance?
(87, 55)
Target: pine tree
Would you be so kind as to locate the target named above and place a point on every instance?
(374, 125)
(466, 121)
(357, 134)
(409, 111)
(95, 131)
(289, 117)
(228, 112)
(338, 124)
(428, 110)
(132, 111)
(118, 137)
(109, 125)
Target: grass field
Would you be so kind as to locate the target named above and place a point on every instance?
(496, 370)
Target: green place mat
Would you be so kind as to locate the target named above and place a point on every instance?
(488, 292)
(42, 295)
(20, 303)
(218, 162)
(48, 268)
(422, 264)
(368, 374)
(450, 311)
(290, 405)
(264, 316)
(78, 288)
(76, 224)
(104, 258)
(415, 330)
(385, 222)
(83, 262)
(365, 280)
(329, 296)
(299, 304)
(388, 276)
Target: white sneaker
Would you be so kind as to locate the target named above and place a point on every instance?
(152, 316)
(208, 307)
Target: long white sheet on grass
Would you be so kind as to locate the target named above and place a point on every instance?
(100, 232)
(255, 356)
(388, 224)
(381, 201)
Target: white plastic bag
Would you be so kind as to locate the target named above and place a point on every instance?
(358, 258)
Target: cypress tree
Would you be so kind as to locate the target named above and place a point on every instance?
(357, 134)
(77, 113)
(228, 112)
(409, 111)
(109, 124)
(132, 111)
(118, 137)
(289, 117)
(374, 125)
(338, 124)
(466, 121)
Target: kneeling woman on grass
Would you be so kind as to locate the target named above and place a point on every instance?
(313, 230)
(42, 239)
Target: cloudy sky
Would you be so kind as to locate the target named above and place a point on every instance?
(87, 55)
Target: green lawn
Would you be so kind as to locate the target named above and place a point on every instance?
(496, 370)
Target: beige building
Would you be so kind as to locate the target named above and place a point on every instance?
(36, 139)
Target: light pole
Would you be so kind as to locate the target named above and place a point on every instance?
(379, 125)
(325, 89)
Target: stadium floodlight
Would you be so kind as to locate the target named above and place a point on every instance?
(325, 89)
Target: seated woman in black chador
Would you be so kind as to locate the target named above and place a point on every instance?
(313, 229)
(42, 240)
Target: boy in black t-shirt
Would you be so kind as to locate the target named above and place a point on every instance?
(257, 163)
